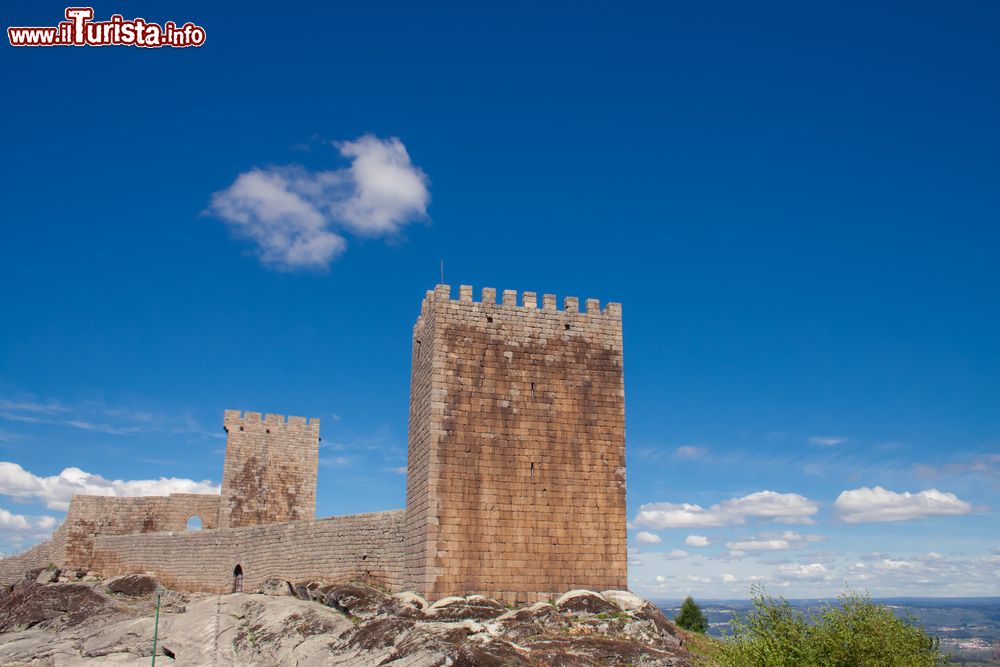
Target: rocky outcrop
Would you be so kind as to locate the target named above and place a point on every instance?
(276, 587)
(132, 584)
(49, 575)
(344, 624)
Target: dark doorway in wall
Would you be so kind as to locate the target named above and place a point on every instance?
(238, 579)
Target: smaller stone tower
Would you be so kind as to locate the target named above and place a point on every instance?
(270, 470)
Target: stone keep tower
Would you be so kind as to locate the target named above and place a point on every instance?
(270, 471)
(516, 473)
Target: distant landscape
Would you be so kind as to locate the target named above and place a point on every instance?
(969, 628)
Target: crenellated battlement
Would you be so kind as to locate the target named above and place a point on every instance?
(528, 301)
(240, 418)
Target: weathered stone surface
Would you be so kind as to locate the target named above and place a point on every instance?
(48, 575)
(74, 624)
(353, 599)
(53, 606)
(583, 601)
(624, 600)
(132, 584)
(665, 628)
(407, 604)
(275, 587)
(475, 607)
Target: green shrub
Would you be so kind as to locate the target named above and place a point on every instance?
(690, 617)
(853, 633)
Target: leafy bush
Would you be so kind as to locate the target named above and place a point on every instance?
(690, 617)
(853, 633)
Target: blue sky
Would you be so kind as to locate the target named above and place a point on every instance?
(796, 205)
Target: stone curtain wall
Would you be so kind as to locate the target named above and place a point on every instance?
(360, 547)
(89, 516)
(13, 568)
(517, 447)
(270, 469)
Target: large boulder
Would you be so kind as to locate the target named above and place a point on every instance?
(55, 607)
(49, 575)
(132, 584)
(473, 607)
(624, 600)
(352, 599)
(276, 587)
(585, 602)
(405, 605)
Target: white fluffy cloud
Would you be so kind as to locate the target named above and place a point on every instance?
(759, 545)
(877, 505)
(55, 491)
(774, 541)
(20, 523)
(696, 541)
(765, 505)
(810, 571)
(294, 215)
(890, 564)
(728, 578)
(675, 554)
(18, 531)
(648, 538)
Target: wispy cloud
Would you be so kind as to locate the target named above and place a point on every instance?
(295, 216)
(827, 440)
(690, 452)
(763, 505)
(32, 406)
(758, 545)
(334, 461)
(880, 505)
(98, 417)
(986, 465)
(57, 490)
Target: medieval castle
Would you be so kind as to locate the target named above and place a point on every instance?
(515, 481)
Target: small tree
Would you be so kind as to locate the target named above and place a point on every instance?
(690, 617)
(856, 631)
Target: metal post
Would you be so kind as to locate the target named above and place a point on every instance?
(156, 624)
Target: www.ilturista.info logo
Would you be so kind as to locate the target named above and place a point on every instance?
(79, 29)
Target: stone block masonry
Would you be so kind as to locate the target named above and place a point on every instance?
(516, 482)
(89, 516)
(270, 470)
(360, 547)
